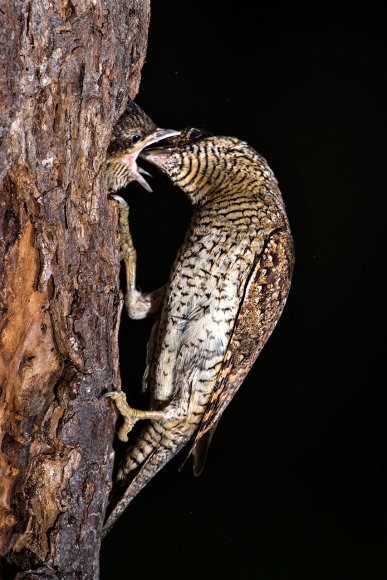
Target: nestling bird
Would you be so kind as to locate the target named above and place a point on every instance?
(133, 131)
(226, 291)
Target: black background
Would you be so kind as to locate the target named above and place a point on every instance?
(294, 486)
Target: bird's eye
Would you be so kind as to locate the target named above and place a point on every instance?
(194, 133)
(136, 139)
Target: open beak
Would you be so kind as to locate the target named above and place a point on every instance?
(156, 156)
(131, 159)
(158, 135)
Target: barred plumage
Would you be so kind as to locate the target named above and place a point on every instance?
(225, 294)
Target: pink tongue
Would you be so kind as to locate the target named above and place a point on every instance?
(130, 161)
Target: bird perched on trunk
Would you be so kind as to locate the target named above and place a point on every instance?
(133, 131)
(225, 294)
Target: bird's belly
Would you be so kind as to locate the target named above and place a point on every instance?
(185, 377)
(202, 301)
(198, 321)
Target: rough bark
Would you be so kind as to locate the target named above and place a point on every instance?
(67, 69)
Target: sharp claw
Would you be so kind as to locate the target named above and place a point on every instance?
(119, 199)
(112, 395)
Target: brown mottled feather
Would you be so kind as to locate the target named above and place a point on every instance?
(226, 292)
(264, 299)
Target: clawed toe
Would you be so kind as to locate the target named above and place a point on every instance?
(119, 199)
(128, 414)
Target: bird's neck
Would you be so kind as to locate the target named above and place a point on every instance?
(225, 179)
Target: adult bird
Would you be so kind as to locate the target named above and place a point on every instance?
(225, 294)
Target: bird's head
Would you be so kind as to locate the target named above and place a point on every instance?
(197, 162)
(133, 131)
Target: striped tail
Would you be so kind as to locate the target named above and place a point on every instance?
(155, 447)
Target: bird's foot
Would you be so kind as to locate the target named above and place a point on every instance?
(126, 241)
(126, 412)
(130, 416)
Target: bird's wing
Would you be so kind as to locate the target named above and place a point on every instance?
(265, 294)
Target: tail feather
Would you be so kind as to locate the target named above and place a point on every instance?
(146, 457)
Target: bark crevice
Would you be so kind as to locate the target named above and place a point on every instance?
(67, 70)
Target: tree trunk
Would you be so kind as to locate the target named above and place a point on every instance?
(67, 69)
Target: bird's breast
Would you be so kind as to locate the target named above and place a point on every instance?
(202, 301)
